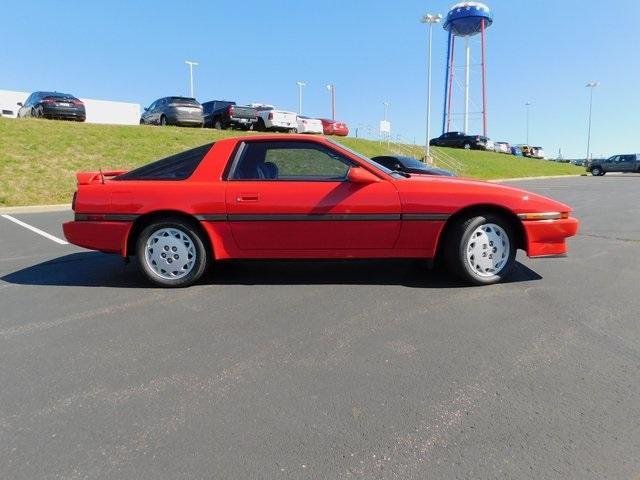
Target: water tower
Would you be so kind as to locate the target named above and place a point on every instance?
(464, 21)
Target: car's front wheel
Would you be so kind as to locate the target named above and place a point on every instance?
(163, 121)
(467, 146)
(597, 171)
(172, 253)
(481, 249)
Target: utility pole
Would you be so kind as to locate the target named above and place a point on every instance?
(300, 85)
(332, 88)
(191, 65)
(591, 86)
(429, 20)
(527, 105)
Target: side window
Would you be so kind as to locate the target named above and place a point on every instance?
(613, 159)
(628, 158)
(290, 161)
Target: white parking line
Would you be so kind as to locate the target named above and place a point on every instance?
(34, 229)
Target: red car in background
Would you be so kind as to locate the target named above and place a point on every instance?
(334, 127)
(295, 196)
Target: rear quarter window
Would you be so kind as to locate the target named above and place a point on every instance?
(176, 167)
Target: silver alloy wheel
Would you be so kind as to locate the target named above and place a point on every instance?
(170, 253)
(488, 250)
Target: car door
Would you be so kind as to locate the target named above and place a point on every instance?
(294, 196)
(146, 115)
(611, 164)
(25, 108)
(626, 163)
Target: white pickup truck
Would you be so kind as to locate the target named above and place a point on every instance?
(271, 119)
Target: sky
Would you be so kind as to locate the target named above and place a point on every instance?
(374, 51)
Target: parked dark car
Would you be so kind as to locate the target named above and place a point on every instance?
(182, 111)
(628, 163)
(460, 140)
(222, 114)
(400, 163)
(52, 105)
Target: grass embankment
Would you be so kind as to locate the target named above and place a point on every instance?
(39, 158)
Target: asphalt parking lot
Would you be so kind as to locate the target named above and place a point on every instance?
(326, 369)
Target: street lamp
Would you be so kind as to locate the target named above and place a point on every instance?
(528, 104)
(191, 65)
(332, 88)
(591, 86)
(386, 109)
(429, 20)
(300, 85)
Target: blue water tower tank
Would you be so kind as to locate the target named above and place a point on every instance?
(465, 19)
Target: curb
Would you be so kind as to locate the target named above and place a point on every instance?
(60, 207)
(532, 178)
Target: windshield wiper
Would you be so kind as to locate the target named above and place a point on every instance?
(402, 174)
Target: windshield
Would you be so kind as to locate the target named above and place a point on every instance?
(363, 158)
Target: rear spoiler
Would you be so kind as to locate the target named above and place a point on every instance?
(87, 178)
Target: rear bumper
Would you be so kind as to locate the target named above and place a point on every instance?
(548, 237)
(110, 237)
(64, 112)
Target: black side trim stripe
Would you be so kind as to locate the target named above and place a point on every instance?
(425, 216)
(312, 217)
(83, 217)
(285, 217)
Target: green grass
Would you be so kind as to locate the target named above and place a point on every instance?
(39, 158)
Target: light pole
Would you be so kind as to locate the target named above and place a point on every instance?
(191, 65)
(332, 88)
(591, 86)
(527, 105)
(386, 109)
(300, 85)
(429, 20)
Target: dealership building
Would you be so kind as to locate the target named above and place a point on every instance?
(98, 111)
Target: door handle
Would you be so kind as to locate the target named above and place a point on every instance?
(248, 197)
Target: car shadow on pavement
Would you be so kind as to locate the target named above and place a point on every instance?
(94, 269)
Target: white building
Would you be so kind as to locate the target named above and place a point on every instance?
(98, 111)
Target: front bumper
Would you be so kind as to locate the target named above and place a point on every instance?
(548, 237)
(110, 237)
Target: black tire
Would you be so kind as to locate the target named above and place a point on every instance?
(260, 126)
(597, 171)
(466, 146)
(163, 121)
(293, 130)
(458, 240)
(141, 121)
(202, 256)
(218, 124)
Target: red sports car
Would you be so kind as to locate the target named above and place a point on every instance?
(293, 196)
(333, 127)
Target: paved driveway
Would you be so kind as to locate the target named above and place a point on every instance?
(323, 370)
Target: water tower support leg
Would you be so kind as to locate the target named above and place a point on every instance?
(452, 69)
(446, 84)
(466, 84)
(484, 83)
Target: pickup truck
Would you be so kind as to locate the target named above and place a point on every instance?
(222, 114)
(275, 120)
(460, 140)
(627, 163)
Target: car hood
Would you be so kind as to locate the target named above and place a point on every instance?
(438, 194)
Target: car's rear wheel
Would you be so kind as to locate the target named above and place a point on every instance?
(172, 253)
(218, 125)
(260, 126)
(596, 171)
(481, 249)
(467, 146)
(293, 130)
(163, 120)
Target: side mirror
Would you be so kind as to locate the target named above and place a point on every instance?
(20, 104)
(361, 176)
(146, 109)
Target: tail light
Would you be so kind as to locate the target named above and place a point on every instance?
(230, 110)
(78, 103)
(270, 115)
(477, 139)
(73, 202)
(47, 100)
